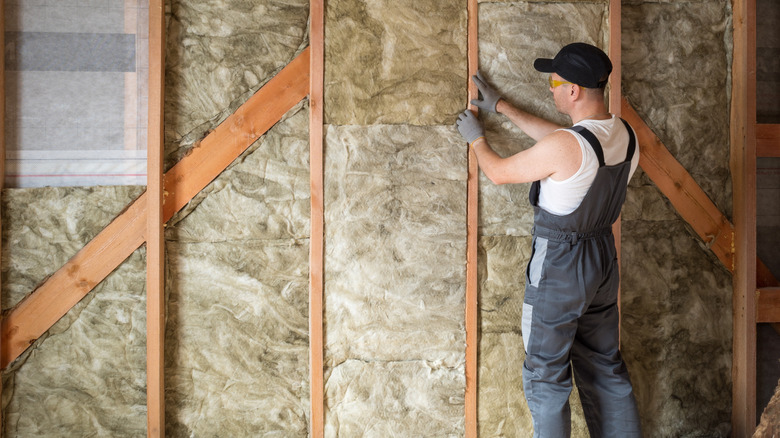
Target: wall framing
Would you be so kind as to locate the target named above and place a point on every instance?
(472, 238)
(743, 165)
(151, 212)
(317, 236)
(155, 240)
(2, 147)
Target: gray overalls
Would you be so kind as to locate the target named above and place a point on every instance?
(570, 314)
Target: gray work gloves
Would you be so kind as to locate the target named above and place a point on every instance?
(489, 94)
(470, 127)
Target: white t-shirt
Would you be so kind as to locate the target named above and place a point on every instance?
(563, 197)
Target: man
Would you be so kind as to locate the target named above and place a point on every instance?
(570, 316)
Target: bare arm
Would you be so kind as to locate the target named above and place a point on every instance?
(556, 155)
(536, 127)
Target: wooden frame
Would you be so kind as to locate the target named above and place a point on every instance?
(681, 189)
(155, 249)
(2, 146)
(43, 307)
(472, 239)
(144, 219)
(615, 107)
(316, 240)
(743, 165)
(615, 79)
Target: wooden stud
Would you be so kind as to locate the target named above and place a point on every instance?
(155, 242)
(686, 196)
(472, 239)
(54, 297)
(768, 140)
(316, 239)
(615, 38)
(743, 175)
(615, 98)
(2, 147)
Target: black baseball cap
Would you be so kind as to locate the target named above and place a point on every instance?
(580, 63)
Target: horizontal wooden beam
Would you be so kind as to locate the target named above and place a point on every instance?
(683, 192)
(43, 307)
(767, 296)
(768, 304)
(768, 140)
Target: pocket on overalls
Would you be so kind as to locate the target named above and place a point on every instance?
(533, 276)
(539, 253)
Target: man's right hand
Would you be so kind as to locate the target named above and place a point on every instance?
(470, 127)
(490, 96)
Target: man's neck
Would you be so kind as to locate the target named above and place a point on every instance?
(594, 112)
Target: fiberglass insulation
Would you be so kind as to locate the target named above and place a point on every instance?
(218, 53)
(236, 342)
(676, 294)
(86, 376)
(237, 283)
(395, 235)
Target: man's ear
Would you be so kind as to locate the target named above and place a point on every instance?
(575, 91)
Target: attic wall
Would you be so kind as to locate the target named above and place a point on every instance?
(395, 202)
(768, 187)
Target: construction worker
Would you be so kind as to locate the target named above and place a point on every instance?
(579, 175)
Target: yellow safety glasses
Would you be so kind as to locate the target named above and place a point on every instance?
(554, 83)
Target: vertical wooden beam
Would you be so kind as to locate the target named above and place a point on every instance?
(615, 38)
(316, 244)
(743, 175)
(472, 240)
(155, 251)
(2, 146)
(615, 99)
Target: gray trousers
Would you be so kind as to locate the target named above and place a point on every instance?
(570, 322)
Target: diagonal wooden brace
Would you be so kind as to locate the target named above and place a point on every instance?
(51, 300)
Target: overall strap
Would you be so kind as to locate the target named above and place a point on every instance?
(594, 142)
(631, 141)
